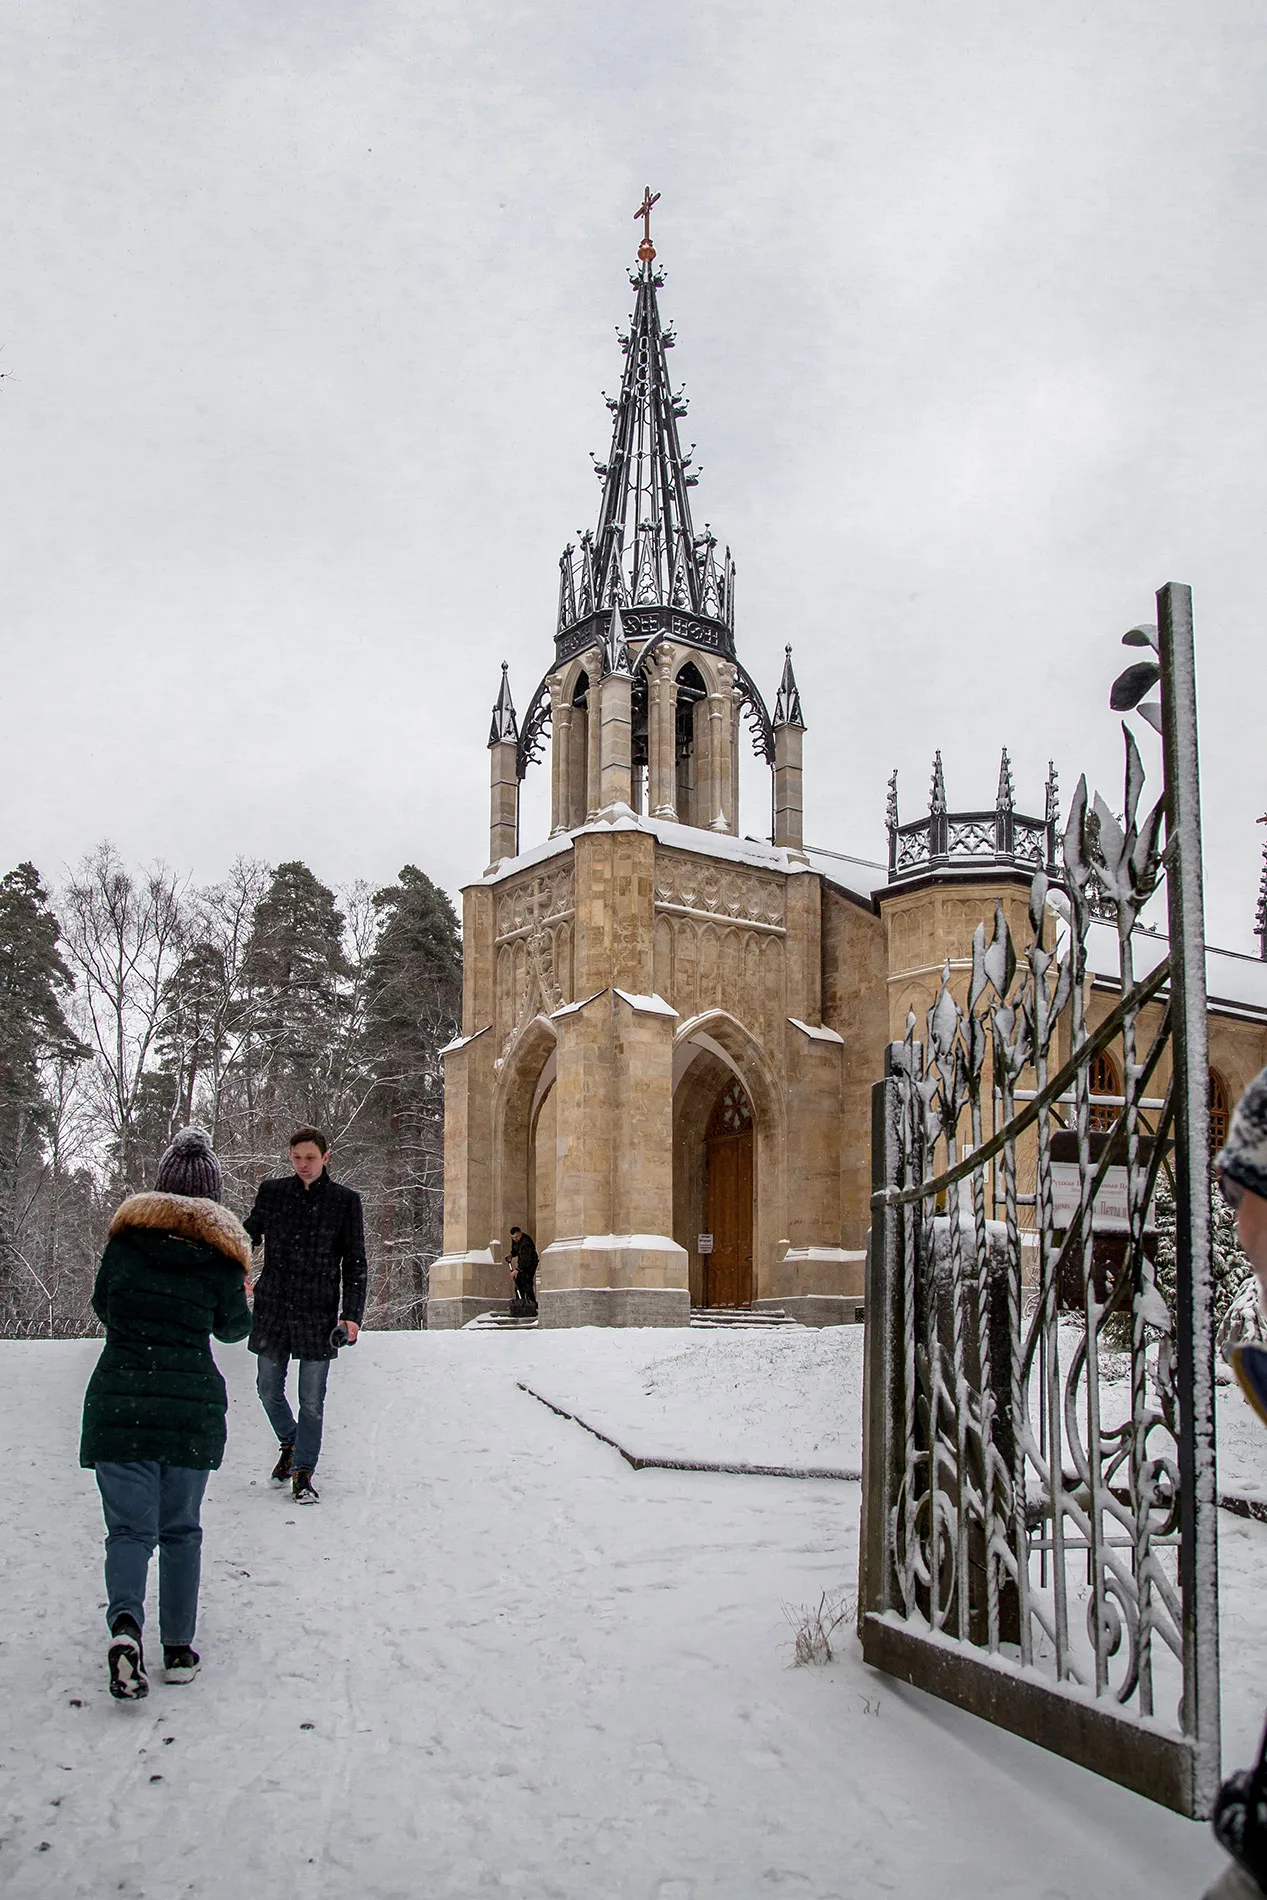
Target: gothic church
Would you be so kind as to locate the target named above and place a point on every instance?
(670, 1032)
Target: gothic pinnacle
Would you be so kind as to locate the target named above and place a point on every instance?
(505, 725)
(787, 707)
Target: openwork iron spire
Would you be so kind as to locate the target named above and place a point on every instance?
(505, 725)
(1260, 920)
(645, 552)
(787, 707)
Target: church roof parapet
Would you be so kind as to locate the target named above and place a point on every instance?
(955, 842)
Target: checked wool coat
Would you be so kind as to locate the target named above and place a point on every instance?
(314, 1266)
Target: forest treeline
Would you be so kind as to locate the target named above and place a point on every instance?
(132, 1004)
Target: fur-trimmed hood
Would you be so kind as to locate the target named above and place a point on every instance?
(191, 1218)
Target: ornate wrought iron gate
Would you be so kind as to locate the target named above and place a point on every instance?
(1039, 1534)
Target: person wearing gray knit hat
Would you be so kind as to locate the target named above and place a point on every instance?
(189, 1166)
(1240, 1810)
(1241, 1167)
(172, 1277)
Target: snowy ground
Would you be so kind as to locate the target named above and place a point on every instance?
(495, 1659)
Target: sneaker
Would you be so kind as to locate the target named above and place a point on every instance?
(128, 1680)
(180, 1662)
(281, 1470)
(301, 1488)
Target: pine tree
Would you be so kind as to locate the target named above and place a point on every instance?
(296, 971)
(413, 1004)
(1229, 1267)
(33, 1033)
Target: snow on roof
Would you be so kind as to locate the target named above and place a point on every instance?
(707, 844)
(1234, 983)
(859, 876)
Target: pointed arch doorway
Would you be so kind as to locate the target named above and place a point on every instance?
(728, 1152)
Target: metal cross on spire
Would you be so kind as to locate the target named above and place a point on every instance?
(646, 250)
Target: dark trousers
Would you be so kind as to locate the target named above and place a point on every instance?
(147, 1504)
(304, 1433)
(525, 1290)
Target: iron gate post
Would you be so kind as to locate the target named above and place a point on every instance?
(1198, 1550)
(882, 1378)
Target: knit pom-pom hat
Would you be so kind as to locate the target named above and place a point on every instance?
(1245, 1156)
(189, 1166)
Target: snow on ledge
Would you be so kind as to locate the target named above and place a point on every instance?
(816, 1033)
(647, 1005)
(460, 1042)
(615, 1243)
(570, 1009)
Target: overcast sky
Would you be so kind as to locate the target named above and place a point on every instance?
(305, 311)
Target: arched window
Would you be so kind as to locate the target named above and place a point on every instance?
(1105, 1080)
(732, 1112)
(1219, 1112)
(691, 694)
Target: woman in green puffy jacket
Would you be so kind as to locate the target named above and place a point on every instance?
(173, 1273)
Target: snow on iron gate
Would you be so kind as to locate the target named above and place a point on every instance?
(1039, 1486)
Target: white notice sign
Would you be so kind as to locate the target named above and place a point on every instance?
(705, 1243)
(1109, 1214)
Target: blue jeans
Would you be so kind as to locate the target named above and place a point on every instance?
(147, 1504)
(303, 1434)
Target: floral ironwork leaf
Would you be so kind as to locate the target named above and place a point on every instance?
(1064, 984)
(1146, 857)
(999, 961)
(976, 988)
(1075, 840)
(943, 1019)
(1129, 687)
(1142, 636)
(1134, 782)
(1110, 849)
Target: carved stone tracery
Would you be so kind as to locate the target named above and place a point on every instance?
(732, 893)
(534, 947)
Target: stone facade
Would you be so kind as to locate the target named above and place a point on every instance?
(670, 1033)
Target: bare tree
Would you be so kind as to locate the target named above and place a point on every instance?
(124, 940)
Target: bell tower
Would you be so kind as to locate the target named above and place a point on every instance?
(644, 941)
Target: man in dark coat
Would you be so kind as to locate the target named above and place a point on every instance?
(313, 1281)
(523, 1255)
(172, 1275)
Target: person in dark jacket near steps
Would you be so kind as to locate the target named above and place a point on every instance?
(523, 1265)
(172, 1274)
(313, 1281)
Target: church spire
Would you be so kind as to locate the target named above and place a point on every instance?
(1260, 920)
(645, 551)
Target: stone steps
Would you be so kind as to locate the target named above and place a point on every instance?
(502, 1322)
(740, 1316)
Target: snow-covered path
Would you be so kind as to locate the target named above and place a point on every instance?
(496, 1659)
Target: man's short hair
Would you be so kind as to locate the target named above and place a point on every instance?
(516, 1230)
(310, 1134)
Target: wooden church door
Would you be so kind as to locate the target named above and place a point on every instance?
(728, 1148)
